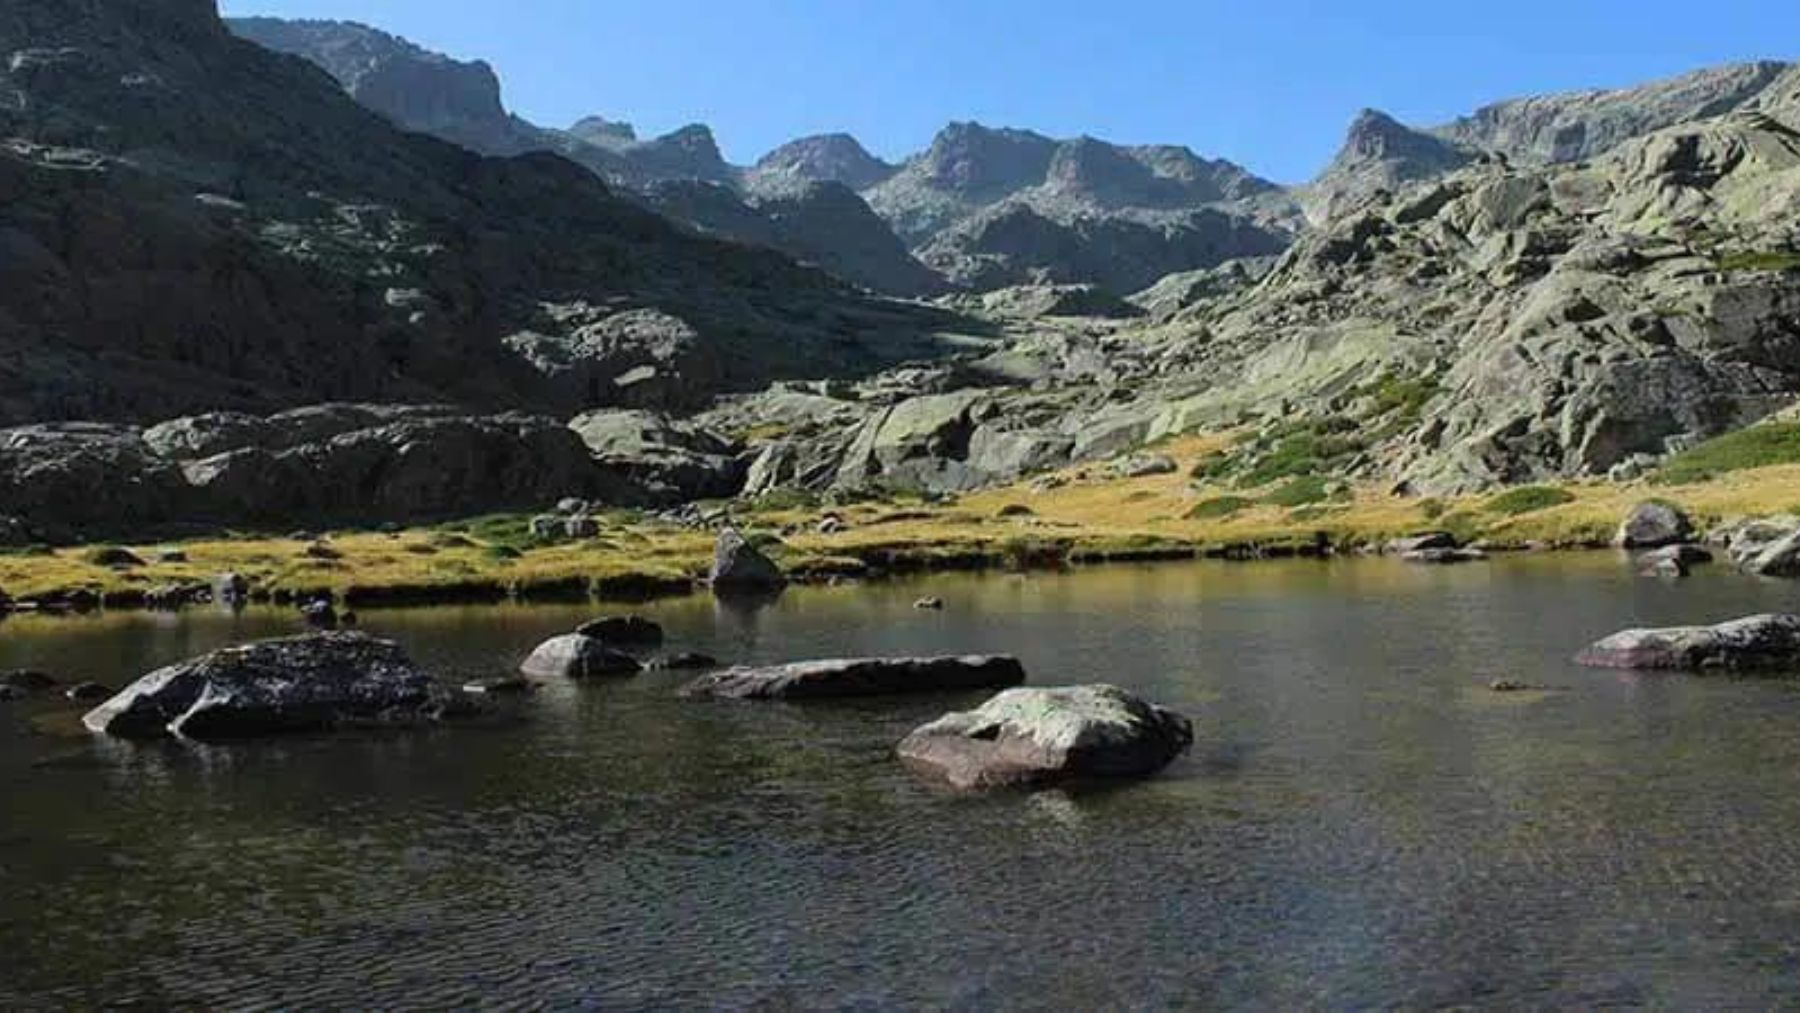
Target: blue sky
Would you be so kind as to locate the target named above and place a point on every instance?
(1270, 84)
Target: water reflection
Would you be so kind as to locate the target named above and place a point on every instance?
(1361, 822)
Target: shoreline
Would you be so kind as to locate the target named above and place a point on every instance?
(1079, 517)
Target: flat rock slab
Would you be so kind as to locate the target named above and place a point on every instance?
(295, 684)
(1754, 642)
(1034, 737)
(1443, 557)
(851, 677)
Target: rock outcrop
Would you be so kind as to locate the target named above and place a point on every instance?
(1036, 737)
(300, 684)
(1763, 642)
(329, 464)
(812, 680)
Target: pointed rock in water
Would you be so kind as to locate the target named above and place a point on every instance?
(1033, 737)
(574, 656)
(635, 630)
(739, 567)
(1654, 524)
(1754, 642)
(807, 680)
(295, 684)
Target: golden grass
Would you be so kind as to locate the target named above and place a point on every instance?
(1092, 511)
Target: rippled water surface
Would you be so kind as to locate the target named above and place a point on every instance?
(1361, 821)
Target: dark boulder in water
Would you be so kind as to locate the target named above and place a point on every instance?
(296, 684)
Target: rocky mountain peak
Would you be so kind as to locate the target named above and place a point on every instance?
(605, 133)
(688, 153)
(824, 158)
(968, 157)
(414, 87)
(1577, 125)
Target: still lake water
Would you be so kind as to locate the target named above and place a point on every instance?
(1361, 822)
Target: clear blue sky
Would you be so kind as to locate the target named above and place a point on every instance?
(1270, 84)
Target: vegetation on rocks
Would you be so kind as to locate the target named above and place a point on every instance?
(1755, 447)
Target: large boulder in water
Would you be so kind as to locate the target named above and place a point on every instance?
(1026, 737)
(306, 683)
(740, 568)
(807, 680)
(1754, 642)
(1654, 524)
(576, 656)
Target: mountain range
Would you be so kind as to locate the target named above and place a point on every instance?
(1566, 285)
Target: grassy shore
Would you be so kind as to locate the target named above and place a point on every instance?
(1081, 515)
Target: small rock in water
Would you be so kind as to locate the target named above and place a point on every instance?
(1035, 737)
(930, 604)
(635, 630)
(87, 692)
(320, 613)
(1666, 569)
(1515, 686)
(505, 685)
(684, 661)
(27, 680)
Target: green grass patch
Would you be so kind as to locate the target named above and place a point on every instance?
(1219, 508)
(1301, 492)
(1527, 499)
(1755, 447)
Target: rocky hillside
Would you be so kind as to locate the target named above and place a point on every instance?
(989, 208)
(983, 208)
(194, 222)
(461, 103)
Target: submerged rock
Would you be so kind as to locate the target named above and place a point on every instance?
(1685, 554)
(1444, 557)
(27, 680)
(87, 692)
(296, 684)
(575, 656)
(1755, 642)
(805, 680)
(739, 567)
(684, 661)
(1654, 524)
(1029, 737)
